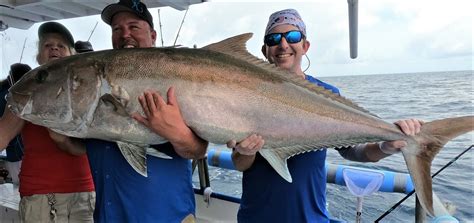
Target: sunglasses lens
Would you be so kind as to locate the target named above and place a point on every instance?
(293, 36)
(273, 39)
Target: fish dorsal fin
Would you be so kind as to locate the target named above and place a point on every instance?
(235, 47)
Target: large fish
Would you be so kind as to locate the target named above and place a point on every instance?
(224, 94)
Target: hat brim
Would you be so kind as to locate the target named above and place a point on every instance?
(54, 27)
(111, 10)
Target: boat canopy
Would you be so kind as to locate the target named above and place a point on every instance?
(22, 14)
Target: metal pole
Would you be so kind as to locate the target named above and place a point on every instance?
(353, 22)
(204, 181)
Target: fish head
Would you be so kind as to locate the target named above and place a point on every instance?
(58, 95)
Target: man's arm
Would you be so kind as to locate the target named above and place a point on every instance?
(373, 152)
(10, 126)
(68, 144)
(165, 119)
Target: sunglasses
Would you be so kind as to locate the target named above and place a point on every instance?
(274, 39)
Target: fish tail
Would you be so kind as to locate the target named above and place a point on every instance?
(431, 139)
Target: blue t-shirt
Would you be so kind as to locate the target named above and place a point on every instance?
(123, 195)
(267, 197)
(15, 147)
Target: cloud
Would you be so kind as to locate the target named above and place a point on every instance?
(392, 33)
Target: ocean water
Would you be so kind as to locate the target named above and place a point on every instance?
(426, 96)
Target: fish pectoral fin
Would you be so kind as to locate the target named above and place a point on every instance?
(119, 107)
(135, 156)
(277, 162)
(154, 152)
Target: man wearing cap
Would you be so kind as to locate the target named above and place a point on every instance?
(55, 180)
(266, 196)
(166, 195)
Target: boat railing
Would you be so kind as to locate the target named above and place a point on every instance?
(392, 181)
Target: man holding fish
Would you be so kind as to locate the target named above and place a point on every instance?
(266, 196)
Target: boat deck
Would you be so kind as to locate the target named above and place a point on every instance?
(9, 202)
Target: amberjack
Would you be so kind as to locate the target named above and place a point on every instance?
(224, 93)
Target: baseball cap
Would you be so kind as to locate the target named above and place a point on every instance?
(133, 6)
(54, 27)
(83, 46)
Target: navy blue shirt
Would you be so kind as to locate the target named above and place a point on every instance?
(267, 197)
(123, 195)
(15, 147)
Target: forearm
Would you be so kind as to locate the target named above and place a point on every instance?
(369, 152)
(70, 145)
(10, 126)
(242, 162)
(190, 146)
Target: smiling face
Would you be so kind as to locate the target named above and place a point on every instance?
(129, 31)
(286, 55)
(52, 47)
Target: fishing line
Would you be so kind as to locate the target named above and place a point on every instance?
(309, 63)
(413, 191)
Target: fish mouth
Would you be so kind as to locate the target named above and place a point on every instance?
(19, 103)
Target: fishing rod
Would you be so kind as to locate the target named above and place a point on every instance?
(179, 30)
(161, 30)
(22, 50)
(92, 32)
(413, 191)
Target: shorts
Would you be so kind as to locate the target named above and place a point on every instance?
(70, 207)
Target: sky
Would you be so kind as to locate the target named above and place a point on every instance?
(394, 36)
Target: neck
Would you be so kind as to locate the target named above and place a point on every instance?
(299, 73)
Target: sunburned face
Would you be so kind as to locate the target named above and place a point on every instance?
(53, 47)
(129, 31)
(286, 55)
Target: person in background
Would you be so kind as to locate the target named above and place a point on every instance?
(166, 195)
(83, 46)
(266, 196)
(15, 146)
(55, 180)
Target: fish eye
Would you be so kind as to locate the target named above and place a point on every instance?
(41, 76)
